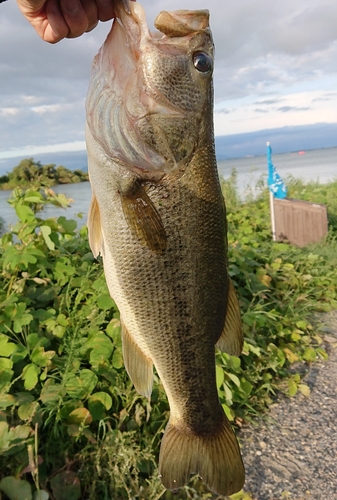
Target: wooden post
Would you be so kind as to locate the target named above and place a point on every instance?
(272, 215)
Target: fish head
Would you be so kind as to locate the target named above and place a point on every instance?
(150, 99)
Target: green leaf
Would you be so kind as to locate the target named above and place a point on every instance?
(51, 392)
(82, 386)
(35, 197)
(6, 400)
(102, 397)
(46, 231)
(4, 439)
(48, 294)
(292, 387)
(11, 257)
(322, 353)
(101, 349)
(41, 495)
(220, 376)
(228, 411)
(6, 364)
(19, 433)
(33, 340)
(63, 268)
(68, 225)
(309, 354)
(117, 359)
(66, 486)
(27, 229)
(246, 386)
(16, 489)
(305, 389)
(301, 324)
(97, 410)
(28, 410)
(41, 357)
(291, 356)
(42, 314)
(114, 331)
(234, 379)
(24, 397)
(24, 213)
(5, 378)
(105, 302)
(21, 317)
(6, 348)
(20, 353)
(228, 394)
(235, 362)
(80, 416)
(62, 320)
(30, 376)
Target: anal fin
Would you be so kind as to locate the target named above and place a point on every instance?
(143, 218)
(216, 458)
(138, 366)
(94, 227)
(231, 338)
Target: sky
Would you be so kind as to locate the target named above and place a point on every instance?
(276, 66)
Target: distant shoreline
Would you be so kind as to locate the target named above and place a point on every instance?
(29, 172)
(25, 186)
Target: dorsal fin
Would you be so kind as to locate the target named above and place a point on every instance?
(231, 338)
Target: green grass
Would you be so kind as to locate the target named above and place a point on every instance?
(71, 423)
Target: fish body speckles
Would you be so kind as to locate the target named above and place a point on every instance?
(158, 219)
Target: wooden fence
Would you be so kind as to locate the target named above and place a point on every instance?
(299, 222)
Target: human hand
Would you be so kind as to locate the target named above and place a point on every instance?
(57, 19)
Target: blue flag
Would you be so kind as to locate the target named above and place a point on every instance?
(275, 183)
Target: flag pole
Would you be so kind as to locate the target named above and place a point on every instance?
(272, 213)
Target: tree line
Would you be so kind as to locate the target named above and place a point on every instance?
(29, 172)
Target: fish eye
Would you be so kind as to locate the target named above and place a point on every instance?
(203, 62)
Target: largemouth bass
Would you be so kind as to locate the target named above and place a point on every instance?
(158, 219)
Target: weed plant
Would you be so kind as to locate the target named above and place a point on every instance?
(71, 424)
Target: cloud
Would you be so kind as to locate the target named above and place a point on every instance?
(223, 111)
(50, 108)
(29, 151)
(287, 109)
(276, 63)
(9, 111)
(297, 108)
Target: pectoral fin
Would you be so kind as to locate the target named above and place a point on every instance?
(231, 339)
(138, 366)
(143, 218)
(94, 227)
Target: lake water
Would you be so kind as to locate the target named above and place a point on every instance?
(318, 165)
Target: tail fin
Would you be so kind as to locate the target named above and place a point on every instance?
(215, 458)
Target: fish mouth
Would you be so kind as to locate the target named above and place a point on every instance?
(180, 23)
(127, 112)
